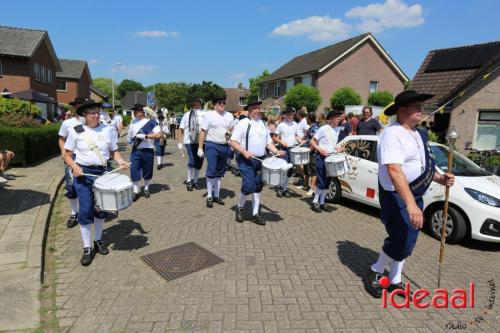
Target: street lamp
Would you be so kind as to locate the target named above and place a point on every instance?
(113, 82)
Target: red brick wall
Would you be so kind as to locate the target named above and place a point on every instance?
(356, 71)
(70, 93)
(42, 57)
(15, 74)
(84, 84)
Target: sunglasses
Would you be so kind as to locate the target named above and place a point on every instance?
(221, 103)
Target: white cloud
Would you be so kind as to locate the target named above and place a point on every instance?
(156, 33)
(136, 70)
(316, 28)
(390, 14)
(93, 61)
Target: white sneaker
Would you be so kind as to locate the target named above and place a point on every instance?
(3, 180)
(310, 193)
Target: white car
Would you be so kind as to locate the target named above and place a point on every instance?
(474, 209)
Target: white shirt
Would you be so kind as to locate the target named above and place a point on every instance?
(103, 117)
(165, 128)
(400, 146)
(68, 125)
(302, 128)
(184, 125)
(172, 121)
(217, 125)
(258, 136)
(113, 123)
(134, 128)
(328, 137)
(103, 136)
(287, 131)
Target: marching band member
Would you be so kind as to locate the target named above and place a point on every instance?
(324, 142)
(406, 170)
(93, 144)
(286, 135)
(190, 128)
(115, 121)
(142, 133)
(70, 193)
(250, 138)
(161, 142)
(213, 135)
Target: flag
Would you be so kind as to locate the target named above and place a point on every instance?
(151, 98)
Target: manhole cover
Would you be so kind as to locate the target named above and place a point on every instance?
(181, 260)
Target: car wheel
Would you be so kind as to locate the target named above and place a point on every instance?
(334, 192)
(456, 227)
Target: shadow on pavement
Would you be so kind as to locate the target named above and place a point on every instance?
(156, 188)
(267, 213)
(120, 237)
(357, 258)
(480, 246)
(17, 201)
(360, 207)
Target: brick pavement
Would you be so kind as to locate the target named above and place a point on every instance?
(300, 273)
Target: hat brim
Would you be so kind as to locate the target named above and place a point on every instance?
(254, 103)
(334, 113)
(391, 109)
(85, 107)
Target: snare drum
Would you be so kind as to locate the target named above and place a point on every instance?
(336, 165)
(274, 170)
(299, 155)
(112, 192)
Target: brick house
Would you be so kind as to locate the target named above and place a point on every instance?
(448, 73)
(236, 98)
(98, 95)
(74, 80)
(360, 63)
(28, 61)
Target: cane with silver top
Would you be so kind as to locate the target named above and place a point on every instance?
(452, 138)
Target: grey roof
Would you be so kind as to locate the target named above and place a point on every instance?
(98, 92)
(314, 61)
(71, 69)
(19, 42)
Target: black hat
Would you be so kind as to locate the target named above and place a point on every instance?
(196, 100)
(253, 101)
(404, 98)
(88, 104)
(77, 100)
(221, 98)
(334, 112)
(288, 109)
(138, 107)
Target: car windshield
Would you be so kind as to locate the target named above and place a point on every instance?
(461, 165)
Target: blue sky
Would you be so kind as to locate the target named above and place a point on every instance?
(227, 41)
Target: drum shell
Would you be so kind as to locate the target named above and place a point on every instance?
(299, 156)
(274, 175)
(113, 192)
(336, 165)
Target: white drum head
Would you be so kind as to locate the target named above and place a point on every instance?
(274, 163)
(300, 150)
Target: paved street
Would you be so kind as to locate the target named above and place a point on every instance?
(302, 272)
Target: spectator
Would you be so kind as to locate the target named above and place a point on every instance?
(172, 123)
(354, 120)
(5, 157)
(368, 125)
(345, 127)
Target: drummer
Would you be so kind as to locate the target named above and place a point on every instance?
(162, 142)
(325, 142)
(142, 133)
(287, 136)
(215, 126)
(93, 144)
(70, 193)
(250, 138)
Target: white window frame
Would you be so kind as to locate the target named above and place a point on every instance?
(277, 89)
(43, 74)
(370, 87)
(288, 85)
(65, 85)
(307, 77)
(480, 122)
(240, 102)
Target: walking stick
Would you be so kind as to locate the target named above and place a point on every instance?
(452, 137)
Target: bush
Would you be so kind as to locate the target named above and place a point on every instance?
(126, 120)
(433, 136)
(302, 95)
(14, 119)
(30, 145)
(380, 98)
(344, 96)
(19, 106)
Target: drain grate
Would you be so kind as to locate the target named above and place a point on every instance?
(181, 260)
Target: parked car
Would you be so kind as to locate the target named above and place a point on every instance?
(474, 209)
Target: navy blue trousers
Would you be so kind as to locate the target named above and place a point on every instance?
(402, 235)
(323, 181)
(84, 189)
(193, 160)
(141, 164)
(159, 149)
(251, 174)
(68, 183)
(216, 158)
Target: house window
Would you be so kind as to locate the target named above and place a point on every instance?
(307, 80)
(36, 71)
(277, 89)
(488, 130)
(49, 76)
(263, 91)
(242, 100)
(289, 84)
(373, 87)
(61, 85)
(43, 76)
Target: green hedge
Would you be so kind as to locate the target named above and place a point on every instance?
(30, 145)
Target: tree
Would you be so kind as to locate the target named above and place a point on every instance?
(104, 84)
(129, 85)
(254, 83)
(173, 95)
(302, 95)
(380, 98)
(206, 90)
(344, 96)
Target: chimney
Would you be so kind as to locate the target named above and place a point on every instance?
(240, 86)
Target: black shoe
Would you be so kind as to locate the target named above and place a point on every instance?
(219, 201)
(316, 207)
(306, 188)
(257, 219)
(372, 283)
(72, 221)
(158, 167)
(210, 202)
(287, 194)
(135, 197)
(146, 194)
(279, 193)
(398, 286)
(239, 214)
(189, 186)
(325, 208)
(196, 186)
(87, 257)
(100, 247)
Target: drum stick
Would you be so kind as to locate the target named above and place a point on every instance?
(303, 143)
(255, 158)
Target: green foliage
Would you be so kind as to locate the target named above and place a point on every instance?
(126, 120)
(172, 95)
(30, 145)
(380, 98)
(406, 84)
(17, 119)
(128, 85)
(254, 83)
(433, 136)
(344, 96)
(104, 84)
(207, 91)
(302, 95)
(19, 106)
